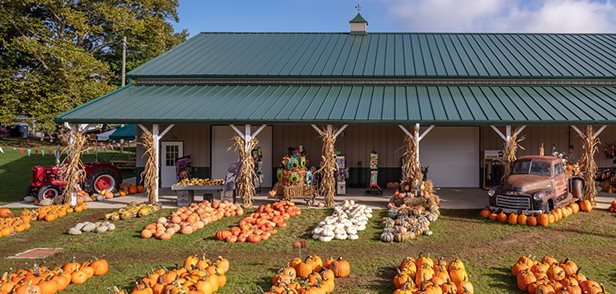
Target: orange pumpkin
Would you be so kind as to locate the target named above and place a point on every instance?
(132, 189)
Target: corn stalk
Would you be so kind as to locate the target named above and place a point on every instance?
(328, 167)
(72, 169)
(149, 176)
(587, 163)
(411, 168)
(511, 149)
(245, 178)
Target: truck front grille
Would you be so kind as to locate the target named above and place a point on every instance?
(513, 202)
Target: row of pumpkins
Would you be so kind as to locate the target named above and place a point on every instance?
(312, 275)
(612, 207)
(195, 276)
(10, 224)
(549, 275)
(542, 219)
(347, 220)
(43, 280)
(187, 220)
(425, 275)
(260, 225)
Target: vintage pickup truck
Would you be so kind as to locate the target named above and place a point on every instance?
(537, 184)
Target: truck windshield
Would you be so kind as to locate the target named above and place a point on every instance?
(529, 167)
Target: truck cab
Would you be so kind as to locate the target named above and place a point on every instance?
(537, 184)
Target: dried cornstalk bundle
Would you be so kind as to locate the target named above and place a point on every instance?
(328, 167)
(149, 175)
(245, 178)
(511, 148)
(587, 163)
(411, 167)
(72, 169)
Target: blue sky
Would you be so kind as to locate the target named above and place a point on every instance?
(398, 15)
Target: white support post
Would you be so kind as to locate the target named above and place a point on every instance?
(167, 129)
(600, 130)
(155, 136)
(143, 128)
(416, 134)
(237, 131)
(340, 130)
(317, 129)
(405, 130)
(258, 131)
(508, 132)
(329, 129)
(426, 132)
(577, 130)
(518, 131)
(498, 132)
(247, 137)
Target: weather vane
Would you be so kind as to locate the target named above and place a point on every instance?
(358, 8)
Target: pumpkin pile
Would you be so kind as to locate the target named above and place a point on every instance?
(133, 210)
(129, 189)
(425, 275)
(260, 225)
(548, 275)
(41, 279)
(51, 213)
(542, 219)
(612, 207)
(196, 275)
(312, 275)
(347, 219)
(410, 212)
(187, 220)
(10, 224)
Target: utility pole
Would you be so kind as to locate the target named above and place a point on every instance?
(124, 61)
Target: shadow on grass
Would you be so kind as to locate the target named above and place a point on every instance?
(502, 279)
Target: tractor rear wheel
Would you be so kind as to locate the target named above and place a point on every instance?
(102, 179)
(48, 192)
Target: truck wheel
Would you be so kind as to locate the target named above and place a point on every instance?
(48, 192)
(550, 205)
(103, 179)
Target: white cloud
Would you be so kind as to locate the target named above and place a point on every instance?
(555, 16)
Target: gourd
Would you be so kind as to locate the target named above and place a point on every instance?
(347, 220)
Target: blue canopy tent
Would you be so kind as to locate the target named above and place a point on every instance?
(127, 132)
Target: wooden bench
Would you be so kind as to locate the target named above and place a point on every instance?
(186, 194)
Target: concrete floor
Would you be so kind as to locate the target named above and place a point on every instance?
(451, 198)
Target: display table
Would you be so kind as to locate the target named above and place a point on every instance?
(186, 194)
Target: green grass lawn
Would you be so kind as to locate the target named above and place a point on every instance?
(16, 169)
(487, 248)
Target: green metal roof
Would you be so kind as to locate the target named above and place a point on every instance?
(358, 19)
(384, 104)
(381, 55)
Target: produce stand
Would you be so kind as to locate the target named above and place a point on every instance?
(186, 194)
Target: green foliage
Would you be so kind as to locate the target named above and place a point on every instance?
(55, 55)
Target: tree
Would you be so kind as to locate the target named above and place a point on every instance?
(58, 54)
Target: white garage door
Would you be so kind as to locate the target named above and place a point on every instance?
(222, 157)
(453, 156)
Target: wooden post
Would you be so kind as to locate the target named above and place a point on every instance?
(156, 146)
(512, 142)
(328, 161)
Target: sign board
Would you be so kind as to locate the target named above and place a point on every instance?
(183, 168)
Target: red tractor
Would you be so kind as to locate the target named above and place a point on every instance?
(47, 183)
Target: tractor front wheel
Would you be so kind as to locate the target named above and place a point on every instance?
(48, 192)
